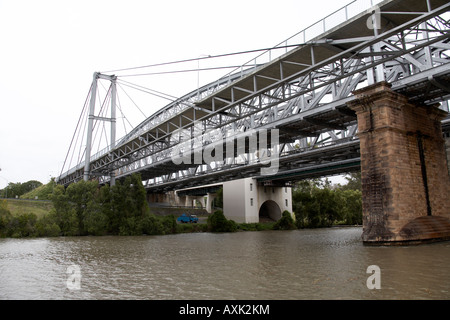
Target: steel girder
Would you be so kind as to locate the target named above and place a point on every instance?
(303, 94)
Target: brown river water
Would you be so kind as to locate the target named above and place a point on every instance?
(268, 265)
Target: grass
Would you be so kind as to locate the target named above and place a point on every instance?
(38, 207)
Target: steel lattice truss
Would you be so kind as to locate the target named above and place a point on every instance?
(302, 93)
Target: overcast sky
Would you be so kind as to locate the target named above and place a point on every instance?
(50, 50)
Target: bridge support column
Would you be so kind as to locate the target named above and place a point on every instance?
(405, 181)
(246, 201)
(209, 200)
(447, 148)
(188, 202)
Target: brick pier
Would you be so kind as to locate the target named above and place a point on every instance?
(405, 178)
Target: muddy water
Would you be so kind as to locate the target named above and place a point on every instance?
(302, 264)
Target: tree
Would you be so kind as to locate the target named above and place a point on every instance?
(218, 200)
(18, 189)
(285, 223)
(353, 181)
(63, 213)
(352, 213)
(5, 218)
(218, 223)
(42, 192)
(316, 204)
(82, 199)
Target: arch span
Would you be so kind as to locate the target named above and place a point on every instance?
(270, 210)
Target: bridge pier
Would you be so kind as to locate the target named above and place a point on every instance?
(209, 201)
(405, 179)
(246, 201)
(447, 148)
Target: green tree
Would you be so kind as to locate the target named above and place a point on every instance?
(5, 218)
(82, 197)
(353, 181)
(46, 226)
(42, 192)
(285, 223)
(128, 212)
(22, 226)
(64, 215)
(151, 225)
(18, 189)
(316, 204)
(218, 223)
(352, 213)
(218, 200)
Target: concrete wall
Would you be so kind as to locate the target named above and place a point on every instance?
(243, 198)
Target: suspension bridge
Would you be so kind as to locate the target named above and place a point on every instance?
(366, 88)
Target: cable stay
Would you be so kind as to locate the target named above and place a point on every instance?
(202, 58)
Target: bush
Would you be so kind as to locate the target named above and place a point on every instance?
(285, 223)
(255, 226)
(20, 226)
(169, 224)
(5, 217)
(191, 227)
(151, 225)
(218, 223)
(47, 227)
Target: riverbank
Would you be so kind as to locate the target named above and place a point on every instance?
(33, 219)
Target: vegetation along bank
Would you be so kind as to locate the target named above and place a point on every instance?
(85, 208)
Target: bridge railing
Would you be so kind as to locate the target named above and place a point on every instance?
(318, 28)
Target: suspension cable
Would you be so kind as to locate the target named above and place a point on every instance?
(202, 58)
(76, 129)
(148, 90)
(178, 71)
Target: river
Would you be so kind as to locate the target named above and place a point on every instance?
(275, 265)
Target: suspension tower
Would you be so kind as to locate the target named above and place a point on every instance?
(92, 117)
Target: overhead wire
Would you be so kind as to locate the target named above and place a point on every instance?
(178, 71)
(132, 101)
(202, 58)
(148, 90)
(76, 128)
(119, 106)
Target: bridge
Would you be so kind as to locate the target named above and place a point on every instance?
(366, 88)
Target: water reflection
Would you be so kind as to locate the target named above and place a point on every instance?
(300, 264)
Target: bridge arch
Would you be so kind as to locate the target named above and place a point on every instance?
(270, 210)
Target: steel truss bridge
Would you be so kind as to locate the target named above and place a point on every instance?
(300, 87)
